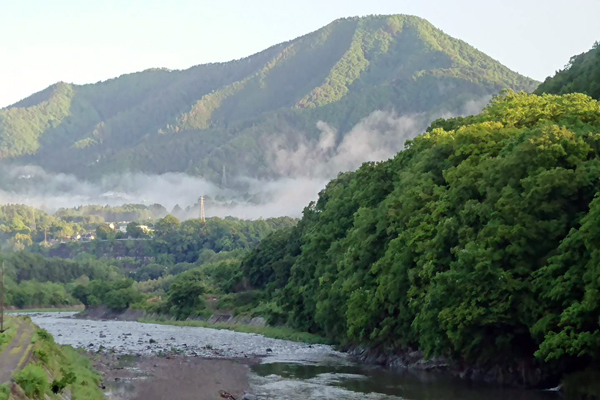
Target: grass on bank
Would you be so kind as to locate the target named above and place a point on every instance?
(69, 369)
(10, 330)
(4, 391)
(273, 332)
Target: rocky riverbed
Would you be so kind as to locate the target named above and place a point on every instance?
(150, 361)
(128, 337)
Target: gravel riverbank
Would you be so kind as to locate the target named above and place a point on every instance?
(128, 337)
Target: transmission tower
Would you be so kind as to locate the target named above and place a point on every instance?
(224, 178)
(202, 214)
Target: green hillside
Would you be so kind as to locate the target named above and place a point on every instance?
(581, 75)
(200, 119)
(477, 243)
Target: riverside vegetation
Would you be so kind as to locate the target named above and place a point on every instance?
(478, 243)
(54, 369)
(44, 277)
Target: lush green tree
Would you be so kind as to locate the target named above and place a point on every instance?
(121, 299)
(29, 294)
(134, 230)
(167, 225)
(104, 232)
(186, 294)
(116, 295)
(150, 271)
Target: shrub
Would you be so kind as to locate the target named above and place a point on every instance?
(33, 381)
(44, 335)
(4, 391)
(42, 355)
(59, 385)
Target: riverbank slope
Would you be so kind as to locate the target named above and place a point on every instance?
(34, 366)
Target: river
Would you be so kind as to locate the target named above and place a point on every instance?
(280, 370)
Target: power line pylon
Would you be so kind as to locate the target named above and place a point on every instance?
(202, 214)
(224, 178)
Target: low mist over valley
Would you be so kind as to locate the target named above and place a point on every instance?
(266, 131)
(302, 167)
(373, 210)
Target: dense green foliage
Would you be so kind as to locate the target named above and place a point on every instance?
(581, 75)
(117, 295)
(21, 226)
(24, 266)
(94, 273)
(35, 281)
(203, 118)
(4, 391)
(174, 242)
(186, 241)
(34, 381)
(178, 290)
(22, 126)
(477, 242)
(186, 294)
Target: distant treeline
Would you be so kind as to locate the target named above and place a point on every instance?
(50, 278)
(126, 212)
(175, 241)
(21, 226)
(24, 227)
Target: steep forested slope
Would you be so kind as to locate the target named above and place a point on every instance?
(478, 242)
(212, 115)
(581, 75)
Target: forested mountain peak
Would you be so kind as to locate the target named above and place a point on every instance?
(202, 118)
(580, 75)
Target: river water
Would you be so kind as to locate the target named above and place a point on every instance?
(286, 371)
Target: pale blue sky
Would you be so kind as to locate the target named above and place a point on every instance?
(81, 41)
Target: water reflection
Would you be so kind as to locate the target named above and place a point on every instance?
(296, 381)
(123, 389)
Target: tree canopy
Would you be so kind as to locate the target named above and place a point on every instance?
(477, 242)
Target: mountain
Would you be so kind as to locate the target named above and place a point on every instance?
(218, 115)
(581, 75)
